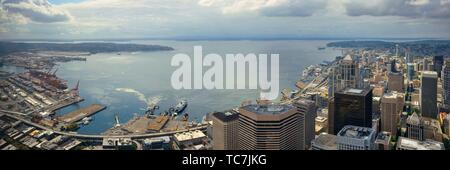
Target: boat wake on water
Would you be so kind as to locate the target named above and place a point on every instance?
(151, 101)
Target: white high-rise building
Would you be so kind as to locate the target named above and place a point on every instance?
(348, 73)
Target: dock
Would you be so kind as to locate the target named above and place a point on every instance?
(158, 124)
(64, 103)
(79, 114)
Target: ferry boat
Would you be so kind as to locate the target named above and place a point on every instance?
(180, 106)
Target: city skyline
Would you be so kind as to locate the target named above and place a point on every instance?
(219, 19)
(224, 75)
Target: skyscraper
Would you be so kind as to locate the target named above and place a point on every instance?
(391, 107)
(332, 86)
(393, 66)
(395, 81)
(348, 73)
(438, 61)
(307, 109)
(352, 107)
(225, 130)
(428, 94)
(410, 70)
(426, 65)
(446, 85)
(409, 58)
(271, 127)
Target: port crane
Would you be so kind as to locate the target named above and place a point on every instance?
(74, 91)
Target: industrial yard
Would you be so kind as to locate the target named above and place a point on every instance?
(79, 114)
(150, 124)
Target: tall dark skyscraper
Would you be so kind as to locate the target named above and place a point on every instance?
(438, 62)
(352, 107)
(428, 94)
(393, 66)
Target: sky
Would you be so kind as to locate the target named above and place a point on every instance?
(204, 19)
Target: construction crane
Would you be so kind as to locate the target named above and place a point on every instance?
(74, 91)
(50, 70)
(54, 73)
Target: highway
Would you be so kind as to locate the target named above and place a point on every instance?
(84, 136)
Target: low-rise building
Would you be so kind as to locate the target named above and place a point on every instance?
(383, 140)
(191, 138)
(324, 141)
(356, 138)
(9, 147)
(412, 144)
(158, 143)
(117, 143)
(2, 142)
(70, 144)
(432, 129)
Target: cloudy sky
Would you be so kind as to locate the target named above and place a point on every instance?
(103, 19)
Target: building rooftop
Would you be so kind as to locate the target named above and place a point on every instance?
(116, 141)
(414, 119)
(392, 94)
(383, 137)
(353, 91)
(321, 119)
(189, 135)
(325, 141)
(355, 132)
(271, 109)
(165, 139)
(396, 73)
(432, 74)
(348, 57)
(412, 144)
(226, 116)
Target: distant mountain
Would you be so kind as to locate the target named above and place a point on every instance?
(423, 47)
(11, 47)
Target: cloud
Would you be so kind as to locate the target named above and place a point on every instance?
(270, 8)
(223, 18)
(40, 11)
(405, 8)
(301, 8)
(206, 3)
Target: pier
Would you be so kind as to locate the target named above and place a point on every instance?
(81, 113)
(65, 102)
(158, 124)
